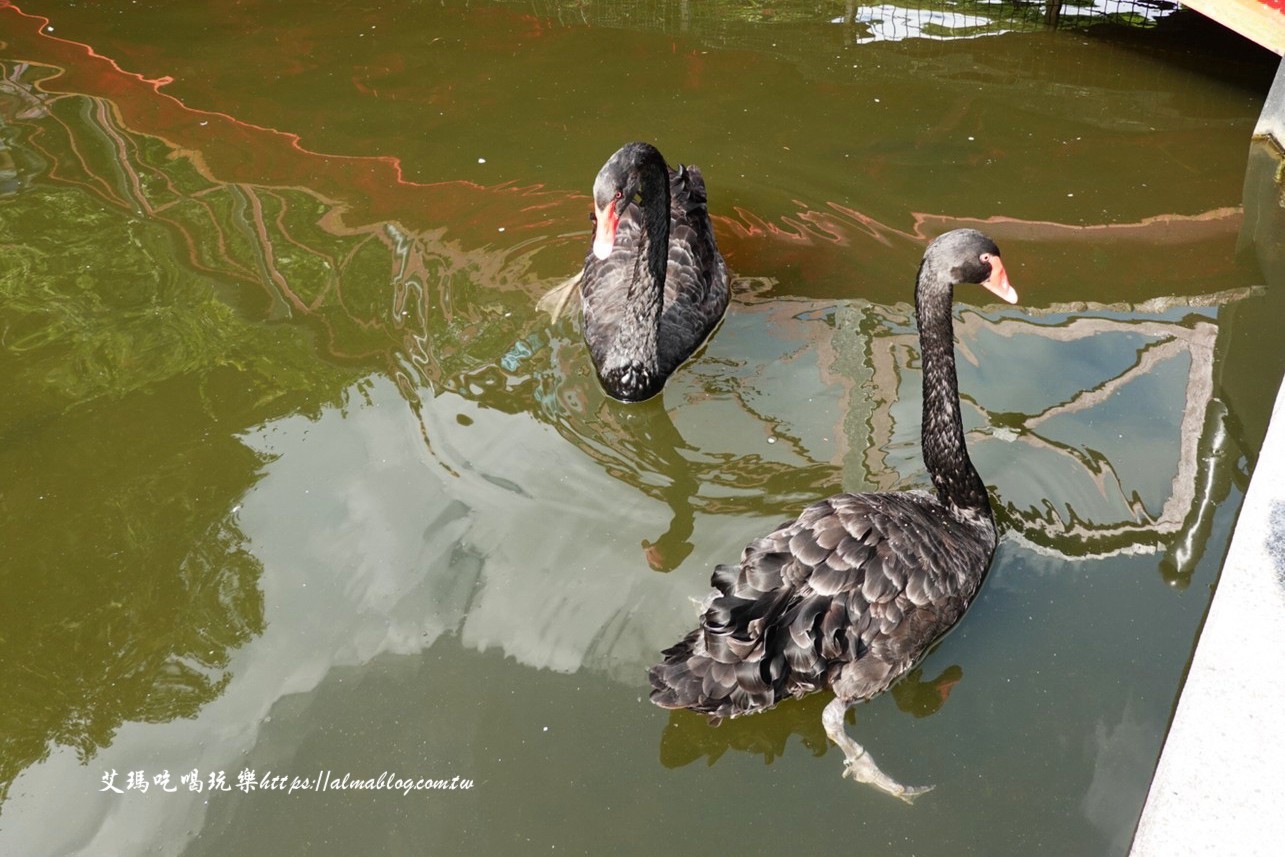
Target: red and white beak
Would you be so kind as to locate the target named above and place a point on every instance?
(604, 237)
(998, 282)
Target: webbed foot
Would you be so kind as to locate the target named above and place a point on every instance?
(858, 763)
(864, 770)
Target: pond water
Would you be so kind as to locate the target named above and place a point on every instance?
(299, 481)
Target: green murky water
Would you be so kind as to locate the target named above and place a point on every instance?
(297, 479)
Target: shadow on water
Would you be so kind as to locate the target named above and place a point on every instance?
(273, 414)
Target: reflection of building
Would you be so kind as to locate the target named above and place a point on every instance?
(1106, 412)
(1099, 427)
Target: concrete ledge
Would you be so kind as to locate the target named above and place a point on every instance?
(1271, 122)
(1217, 789)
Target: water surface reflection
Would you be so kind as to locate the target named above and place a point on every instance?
(300, 478)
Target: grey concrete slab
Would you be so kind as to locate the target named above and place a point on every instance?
(1219, 785)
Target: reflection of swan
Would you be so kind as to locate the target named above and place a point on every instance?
(687, 738)
(654, 284)
(852, 593)
(655, 430)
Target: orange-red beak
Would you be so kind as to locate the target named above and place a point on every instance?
(604, 237)
(998, 282)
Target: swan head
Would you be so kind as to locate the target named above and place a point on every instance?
(972, 257)
(613, 190)
(606, 219)
(618, 184)
(997, 280)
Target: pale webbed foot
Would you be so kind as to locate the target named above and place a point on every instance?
(858, 763)
(555, 300)
(863, 769)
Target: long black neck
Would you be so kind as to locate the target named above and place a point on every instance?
(646, 294)
(646, 287)
(945, 452)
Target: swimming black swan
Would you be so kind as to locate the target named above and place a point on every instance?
(654, 285)
(851, 595)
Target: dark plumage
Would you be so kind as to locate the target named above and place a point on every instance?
(654, 285)
(851, 594)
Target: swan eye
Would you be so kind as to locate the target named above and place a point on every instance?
(620, 194)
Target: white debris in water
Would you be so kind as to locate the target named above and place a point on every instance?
(481, 160)
(501, 228)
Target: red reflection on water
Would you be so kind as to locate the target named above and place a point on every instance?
(239, 151)
(811, 245)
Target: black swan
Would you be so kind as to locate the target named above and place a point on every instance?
(852, 594)
(654, 285)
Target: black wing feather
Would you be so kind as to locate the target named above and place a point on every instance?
(849, 595)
